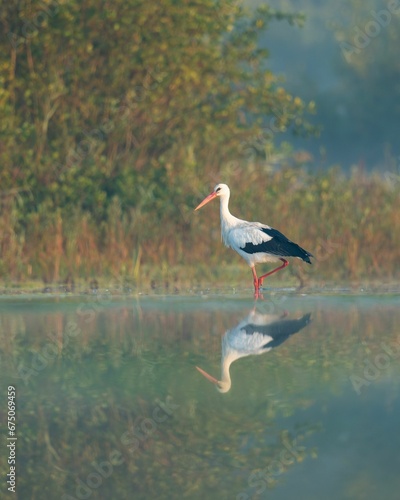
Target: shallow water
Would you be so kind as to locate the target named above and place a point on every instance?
(109, 404)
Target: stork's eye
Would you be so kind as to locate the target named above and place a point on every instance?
(218, 189)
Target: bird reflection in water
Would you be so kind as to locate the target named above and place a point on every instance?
(256, 334)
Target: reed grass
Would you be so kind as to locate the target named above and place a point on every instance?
(350, 223)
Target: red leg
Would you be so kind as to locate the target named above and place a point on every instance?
(255, 280)
(257, 294)
(260, 279)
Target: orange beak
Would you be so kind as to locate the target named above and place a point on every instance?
(207, 200)
(208, 377)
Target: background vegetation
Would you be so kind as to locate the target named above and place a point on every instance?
(117, 118)
(344, 59)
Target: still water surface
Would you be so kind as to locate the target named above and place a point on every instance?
(110, 404)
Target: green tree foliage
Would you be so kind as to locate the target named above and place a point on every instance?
(129, 98)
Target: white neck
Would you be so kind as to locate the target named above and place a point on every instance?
(225, 374)
(227, 219)
(224, 206)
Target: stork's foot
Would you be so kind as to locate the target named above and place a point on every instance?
(257, 284)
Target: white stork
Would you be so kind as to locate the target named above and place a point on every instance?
(256, 334)
(254, 241)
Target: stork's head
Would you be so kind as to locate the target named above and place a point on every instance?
(219, 190)
(221, 385)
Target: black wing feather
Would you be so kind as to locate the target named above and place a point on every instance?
(279, 245)
(280, 330)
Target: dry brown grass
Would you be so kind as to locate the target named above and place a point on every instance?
(351, 225)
